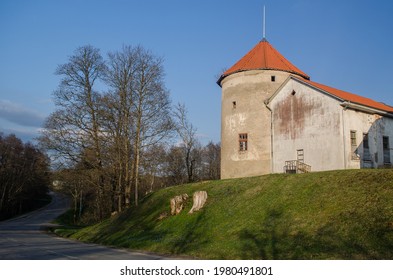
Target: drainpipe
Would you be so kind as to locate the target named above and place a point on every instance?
(271, 134)
(344, 144)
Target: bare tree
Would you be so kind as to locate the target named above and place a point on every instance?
(175, 168)
(153, 166)
(211, 161)
(75, 125)
(151, 103)
(72, 182)
(140, 111)
(189, 141)
(103, 135)
(120, 77)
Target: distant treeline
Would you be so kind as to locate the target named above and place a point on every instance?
(24, 177)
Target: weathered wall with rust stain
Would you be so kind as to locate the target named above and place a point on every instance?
(320, 125)
(307, 120)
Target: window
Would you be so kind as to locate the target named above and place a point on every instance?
(273, 78)
(233, 104)
(300, 155)
(353, 138)
(354, 150)
(386, 149)
(385, 142)
(366, 151)
(365, 141)
(243, 145)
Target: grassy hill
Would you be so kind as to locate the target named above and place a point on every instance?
(325, 215)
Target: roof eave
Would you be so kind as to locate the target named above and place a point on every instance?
(359, 107)
(349, 104)
(223, 76)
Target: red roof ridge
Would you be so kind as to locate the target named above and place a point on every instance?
(351, 97)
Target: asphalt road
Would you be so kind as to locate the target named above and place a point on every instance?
(24, 238)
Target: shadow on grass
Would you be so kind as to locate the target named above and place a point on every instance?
(148, 234)
(192, 238)
(278, 237)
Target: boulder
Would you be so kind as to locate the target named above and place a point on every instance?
(177, 203)
(199, 199)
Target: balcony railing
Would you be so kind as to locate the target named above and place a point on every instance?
(296, 166)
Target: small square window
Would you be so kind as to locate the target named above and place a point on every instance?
(273, 78)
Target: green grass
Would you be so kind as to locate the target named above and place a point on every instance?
(326, 215)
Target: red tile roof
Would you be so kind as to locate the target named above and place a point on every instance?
(346, 96)
(263, 56)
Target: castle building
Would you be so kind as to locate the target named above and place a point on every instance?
(274, 119)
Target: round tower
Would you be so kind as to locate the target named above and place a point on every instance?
(245, 119)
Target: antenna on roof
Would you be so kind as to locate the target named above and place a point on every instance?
(264, 24)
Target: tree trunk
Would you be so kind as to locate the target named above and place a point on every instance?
(127, 172)
(80, 205)
(137, 177)
(136, 161)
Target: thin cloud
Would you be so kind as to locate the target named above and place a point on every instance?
(26, 134)
(20, 115)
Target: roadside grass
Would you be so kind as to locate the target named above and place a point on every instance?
(65, 226)
(323, 215)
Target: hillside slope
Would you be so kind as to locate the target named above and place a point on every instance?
(326, 215)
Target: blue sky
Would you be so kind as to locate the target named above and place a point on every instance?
(344, 44)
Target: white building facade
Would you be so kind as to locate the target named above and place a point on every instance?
(275, 119)
(326, 132)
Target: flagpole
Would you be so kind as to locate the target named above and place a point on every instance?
(264, 23)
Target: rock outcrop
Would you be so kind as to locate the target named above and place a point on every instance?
(177, 203)
(199, 199)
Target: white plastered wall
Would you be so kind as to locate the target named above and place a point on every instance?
(249, 89)
(377, 126)
(309, 120)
